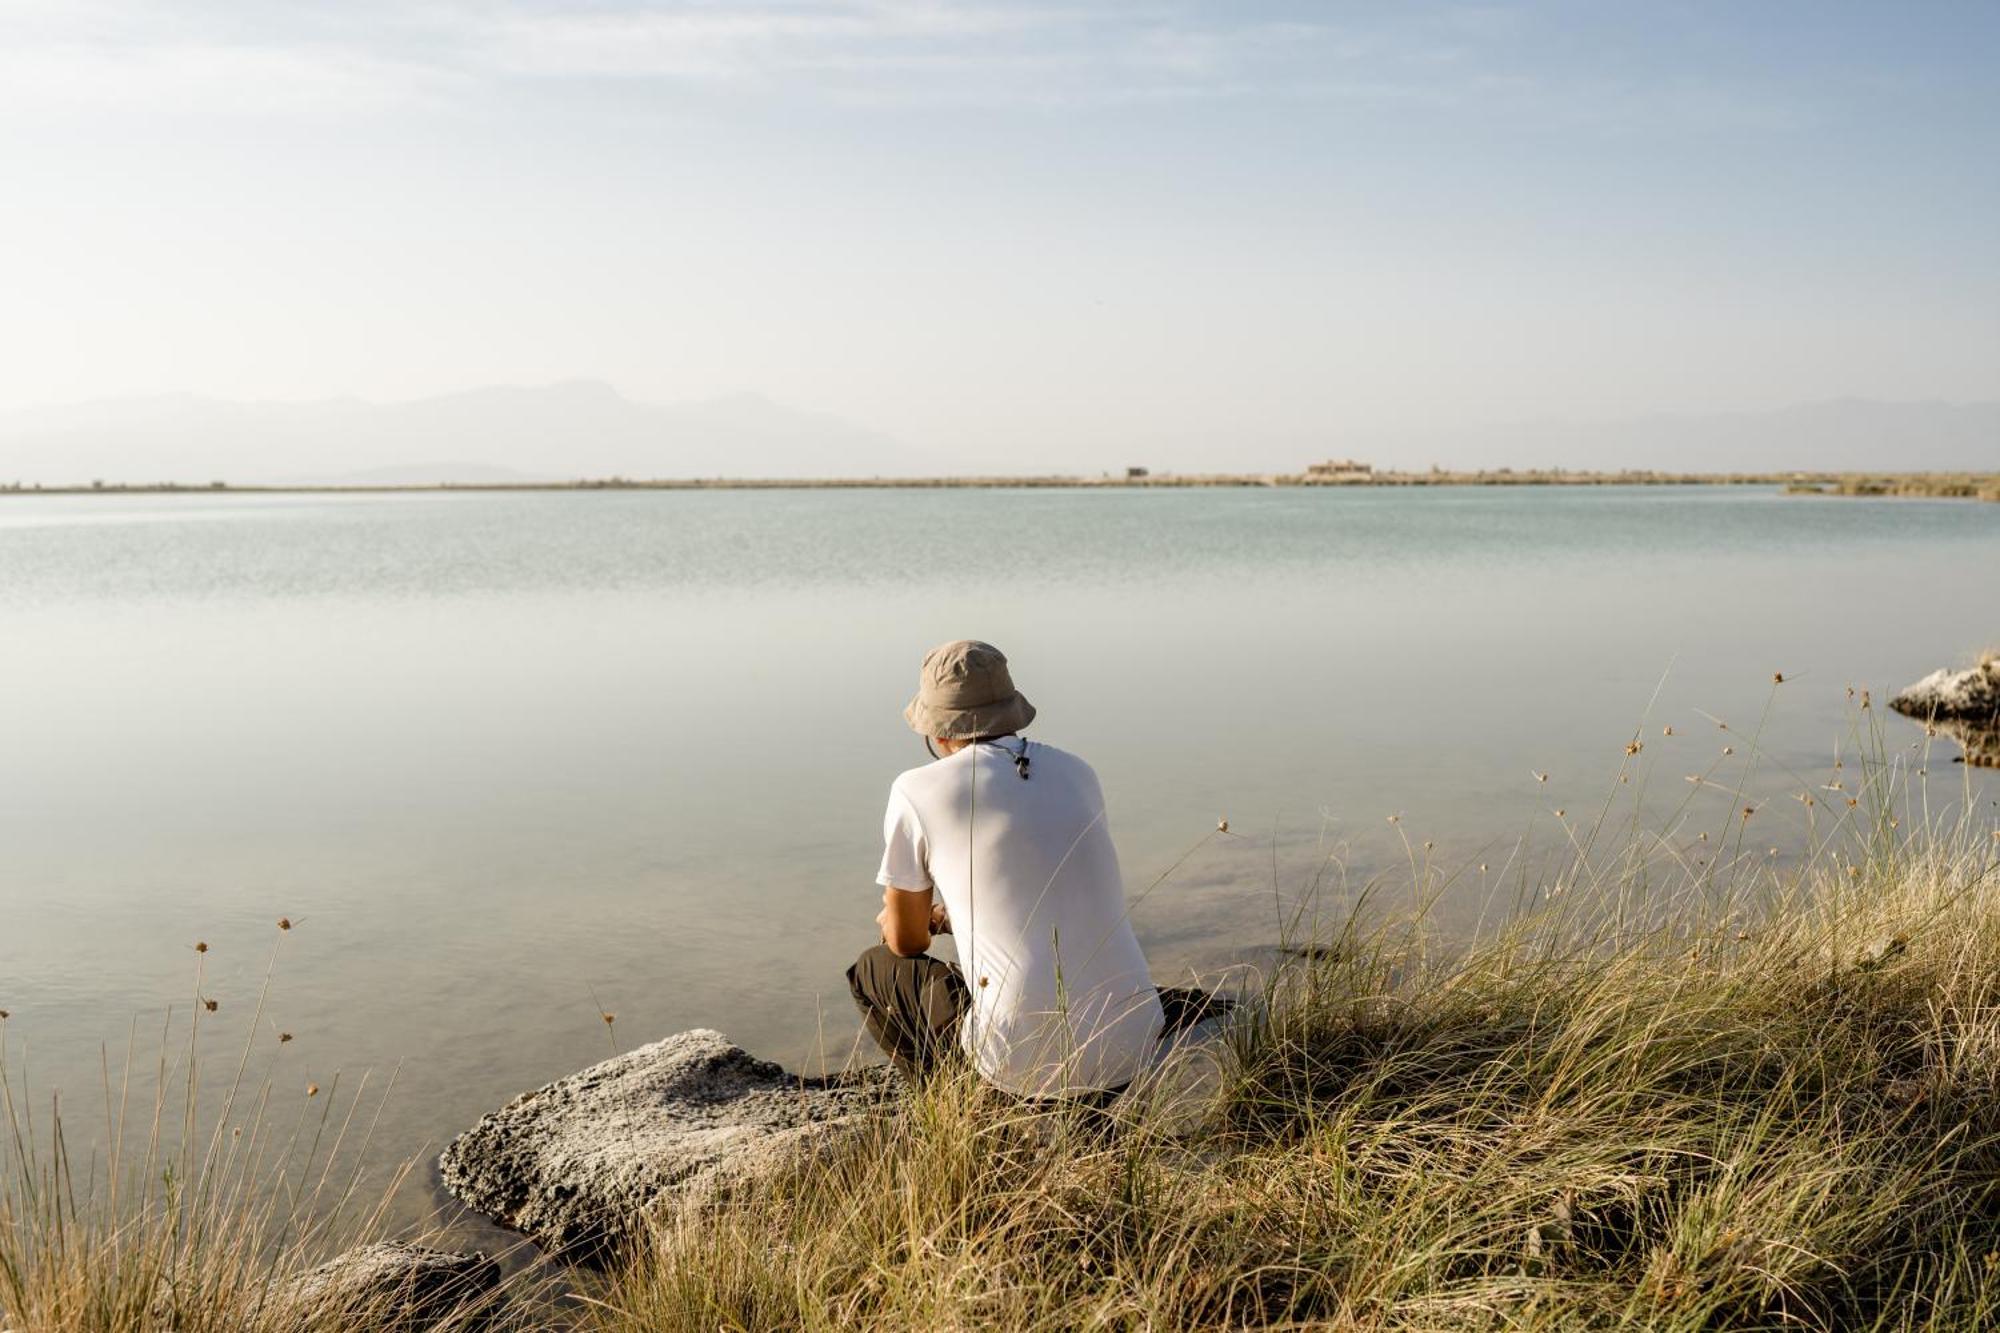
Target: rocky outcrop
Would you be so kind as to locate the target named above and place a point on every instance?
(1964, 705)
(392, 1285)
(580, 1165)
(1959, 696)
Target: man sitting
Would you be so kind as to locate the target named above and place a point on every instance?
(1003, 842)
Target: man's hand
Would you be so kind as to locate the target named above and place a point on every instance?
(940, 920)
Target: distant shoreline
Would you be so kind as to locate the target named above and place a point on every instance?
(1983, 486)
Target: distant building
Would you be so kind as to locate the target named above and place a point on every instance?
(1340, 469)
(1134, 473)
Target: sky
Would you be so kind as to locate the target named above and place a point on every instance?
(1088, 222)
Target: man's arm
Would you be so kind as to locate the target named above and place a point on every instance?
(905, 919)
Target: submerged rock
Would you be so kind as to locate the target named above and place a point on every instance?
(1964, 705)
(392, 1285)
(578, 1166)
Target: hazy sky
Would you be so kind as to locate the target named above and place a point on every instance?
(1090, 220)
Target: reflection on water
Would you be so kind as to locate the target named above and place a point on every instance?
(510, 760)
(1981, 744)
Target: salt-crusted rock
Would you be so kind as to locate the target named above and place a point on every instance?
(1964, 705)
(391, 1285)
(579, 1166)
(1960, 696)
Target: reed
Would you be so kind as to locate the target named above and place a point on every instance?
(1749, 1097)
(208, 1186)
(1684, 1083)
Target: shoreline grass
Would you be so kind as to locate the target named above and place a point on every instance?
(1937, 485)
(1682, 1085)
(202, 1197)
(1784, 1115)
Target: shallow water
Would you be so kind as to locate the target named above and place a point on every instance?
(510, 759)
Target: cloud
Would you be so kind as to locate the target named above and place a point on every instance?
(196, 77)
(252, 57)
(722, 42)
(224, 55)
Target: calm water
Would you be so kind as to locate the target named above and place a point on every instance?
(505, 758)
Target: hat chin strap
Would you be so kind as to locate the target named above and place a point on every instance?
(1020, 756)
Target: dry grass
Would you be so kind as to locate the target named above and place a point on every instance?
(1940, 485)
(1984, 486)
(1714, 1116)
(195, 1200)
(1738, 1096)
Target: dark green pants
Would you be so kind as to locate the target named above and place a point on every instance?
(911, 1006)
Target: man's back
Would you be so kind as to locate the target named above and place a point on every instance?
(1061, 997)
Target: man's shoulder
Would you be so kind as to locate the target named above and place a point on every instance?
(914, 783)
(1040, 752)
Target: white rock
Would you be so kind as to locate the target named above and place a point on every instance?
(580, 1165)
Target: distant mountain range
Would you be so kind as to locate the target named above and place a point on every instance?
(584, 429)
(558, 432)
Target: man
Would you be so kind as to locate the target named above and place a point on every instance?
(1002, 841)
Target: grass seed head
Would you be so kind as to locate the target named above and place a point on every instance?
(210, 1005)
(284, 923)
(201, 946)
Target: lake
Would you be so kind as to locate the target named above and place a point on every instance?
(510, 759)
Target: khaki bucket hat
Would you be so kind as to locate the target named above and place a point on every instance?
(965, 691)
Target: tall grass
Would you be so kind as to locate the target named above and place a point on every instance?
(196, 1200)
(1768, 1098)
(1684, 1084)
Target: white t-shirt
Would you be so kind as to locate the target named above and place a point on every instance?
(1062, 1002)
